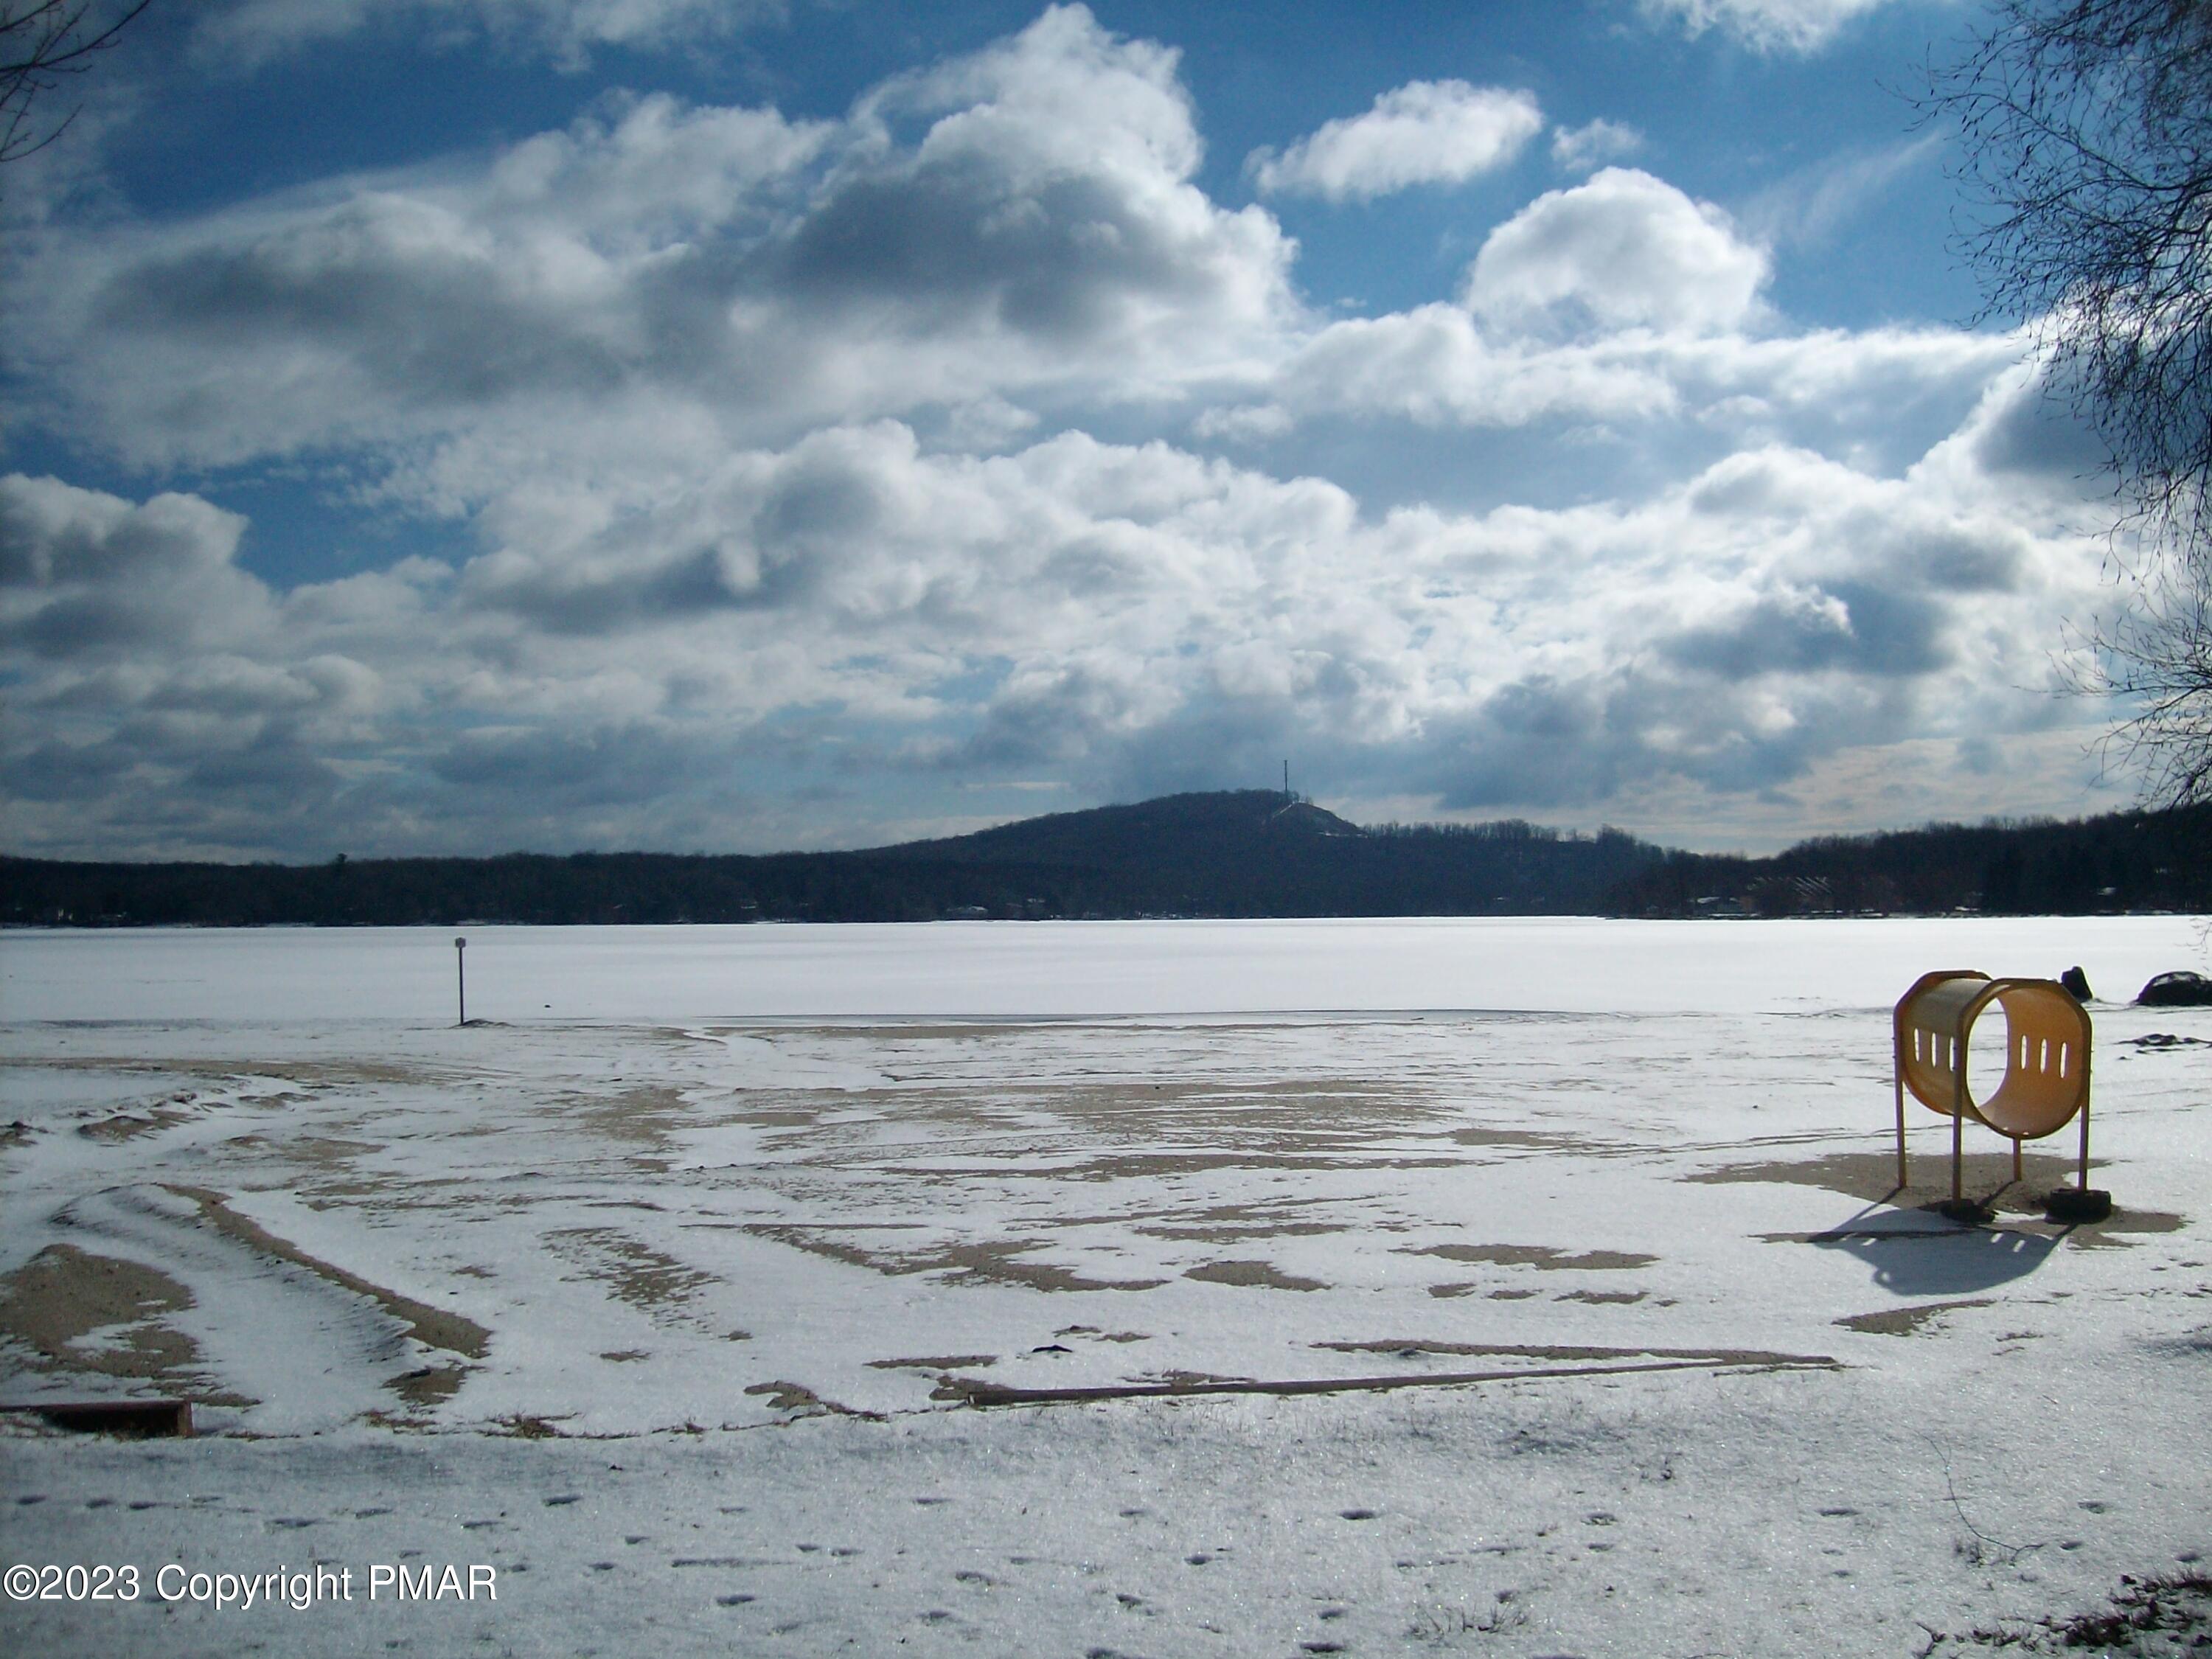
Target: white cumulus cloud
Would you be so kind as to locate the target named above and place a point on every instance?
(1426, 132)
(1625, 249)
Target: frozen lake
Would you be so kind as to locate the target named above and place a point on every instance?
(1513, 1287)
(1053, 971)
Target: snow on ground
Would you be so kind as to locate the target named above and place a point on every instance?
(1158, 1289)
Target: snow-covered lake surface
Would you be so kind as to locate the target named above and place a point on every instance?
(1051, 971)
(1509, 1287)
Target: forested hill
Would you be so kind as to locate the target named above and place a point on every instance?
(1259, 853)
(1248, 853)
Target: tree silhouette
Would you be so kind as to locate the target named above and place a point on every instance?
(2087, 144)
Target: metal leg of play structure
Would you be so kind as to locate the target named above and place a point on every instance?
(1897, 1074)
(1957, 1156)
(1958, 1136)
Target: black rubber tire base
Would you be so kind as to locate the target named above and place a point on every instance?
(2078, 1204)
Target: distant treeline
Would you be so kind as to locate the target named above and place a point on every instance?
(1250, 853)
(2120, 861)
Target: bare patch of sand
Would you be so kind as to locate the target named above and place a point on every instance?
(801, 1400)
(935, 1363)
(124, 1125)
(428, 1385)
(1258, 1275)
(1239, 1235)
(643, 1117)
(1530, 1139)
(633, 1273)
(998, 1262)
(1907, 1321)
(322, 1152)
(64, 1295)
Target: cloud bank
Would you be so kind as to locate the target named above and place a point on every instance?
(772, 473)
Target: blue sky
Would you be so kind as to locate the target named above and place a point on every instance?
(464, 425)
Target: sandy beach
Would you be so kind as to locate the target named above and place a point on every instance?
(1525, 1331)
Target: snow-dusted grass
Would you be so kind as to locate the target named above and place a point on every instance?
(684, 1299)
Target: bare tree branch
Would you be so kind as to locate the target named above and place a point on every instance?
(41, 42)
